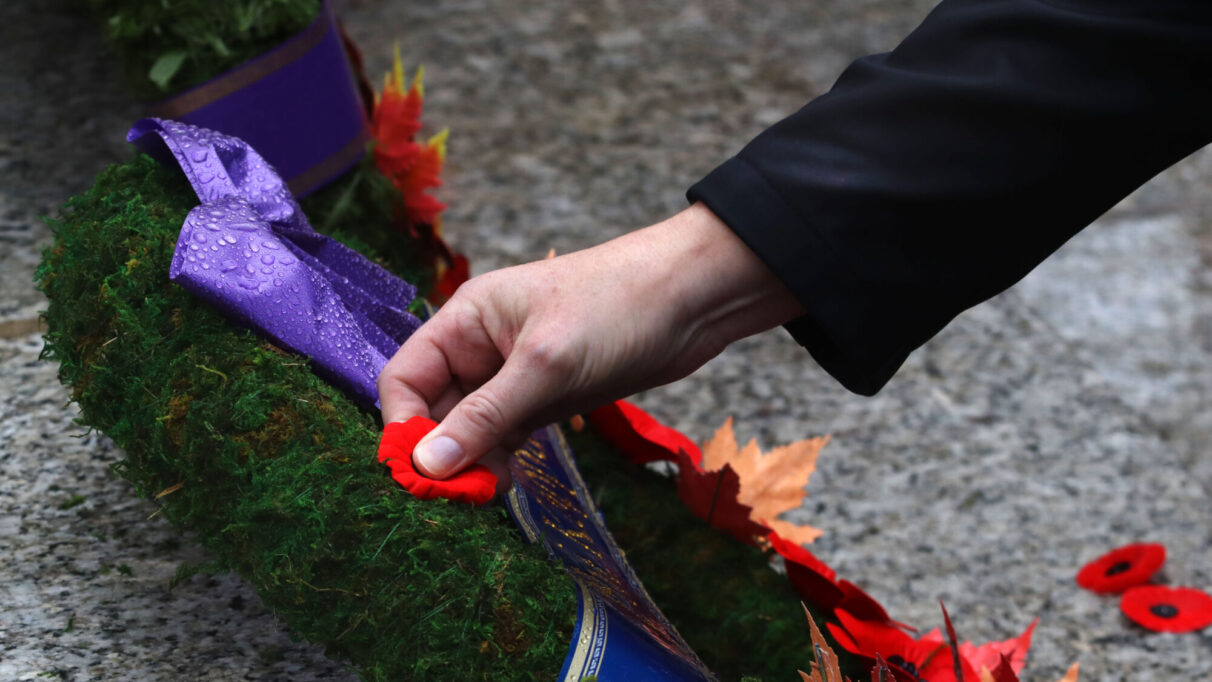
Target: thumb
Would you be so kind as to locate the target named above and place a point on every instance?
(483, 419)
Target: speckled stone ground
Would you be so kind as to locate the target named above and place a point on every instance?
(1065, 417)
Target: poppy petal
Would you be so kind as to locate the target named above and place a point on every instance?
(991, 655)
(1122, 568)
(474, 485)
(811, 578)
(640, 436)
(863, 606)
(1167, 609)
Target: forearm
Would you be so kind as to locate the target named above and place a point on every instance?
(931, 178)
(703, 280)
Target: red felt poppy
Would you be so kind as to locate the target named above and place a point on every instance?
(640, 436)
(1122, 568)
(811, 577)
(474, 485)
(817, 584)
(1167, 609)
(910, 659)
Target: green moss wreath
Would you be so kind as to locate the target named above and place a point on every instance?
(274, 471)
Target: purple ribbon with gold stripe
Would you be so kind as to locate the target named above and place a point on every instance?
(297, 105)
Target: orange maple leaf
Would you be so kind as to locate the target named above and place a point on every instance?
(772, 483)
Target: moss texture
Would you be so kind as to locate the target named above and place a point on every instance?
(278, 477)
(276, 469)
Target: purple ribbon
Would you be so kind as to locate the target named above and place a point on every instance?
(297, 104)
(249, 251)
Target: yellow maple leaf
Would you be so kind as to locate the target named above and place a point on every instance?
(771, 483)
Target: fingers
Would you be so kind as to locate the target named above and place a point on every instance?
(488, 416)
(433, 369)
(406, 389)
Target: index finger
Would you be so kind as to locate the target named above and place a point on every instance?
(415, 377)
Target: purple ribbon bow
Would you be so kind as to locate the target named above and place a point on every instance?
(249, 251)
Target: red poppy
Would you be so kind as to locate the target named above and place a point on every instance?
(1167, 609)
(817, 584)
(1011, 653)
(863, 606)
(474, 485)
(1122, 568)
(992, 655)
(910, 659)
(811, 577)
(640, 437)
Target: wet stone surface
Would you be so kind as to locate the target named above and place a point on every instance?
(1063, 418)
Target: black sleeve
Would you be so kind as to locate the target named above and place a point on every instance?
(933, 177)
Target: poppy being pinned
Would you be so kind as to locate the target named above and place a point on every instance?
(474, 485)
(1167, 609)
(1122, 568)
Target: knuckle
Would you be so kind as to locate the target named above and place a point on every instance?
(549, 355)
(482, 413)
(459, 317)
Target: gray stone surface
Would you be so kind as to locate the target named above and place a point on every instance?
(1063, 418)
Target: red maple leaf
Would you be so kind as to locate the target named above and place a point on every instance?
(450, 278)
(712, 496)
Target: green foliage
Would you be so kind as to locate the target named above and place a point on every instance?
(165, 46)
(277, 471)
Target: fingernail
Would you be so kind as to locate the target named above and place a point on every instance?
(438, 456)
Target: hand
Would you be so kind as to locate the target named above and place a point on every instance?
(521, 347)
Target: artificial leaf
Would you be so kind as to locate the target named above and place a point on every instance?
(1004, 672)
(713, 497)
(908, 658)
(825, 667)
(413, 167)
(772, 483)
(1071, 675)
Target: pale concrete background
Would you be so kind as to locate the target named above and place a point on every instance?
(1063, 418)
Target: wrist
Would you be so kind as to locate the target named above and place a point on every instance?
(717, 286)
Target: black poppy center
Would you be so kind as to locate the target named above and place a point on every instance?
(1164, 610)
(1119, 567)
(906, 666)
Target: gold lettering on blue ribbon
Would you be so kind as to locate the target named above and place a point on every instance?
(550, 501)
